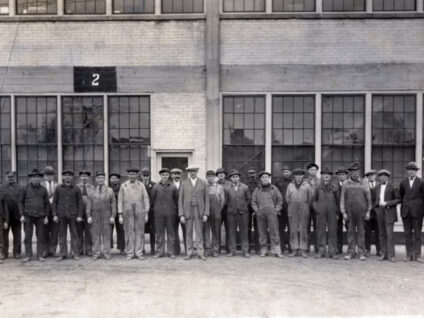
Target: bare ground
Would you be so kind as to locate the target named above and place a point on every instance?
(223, 287)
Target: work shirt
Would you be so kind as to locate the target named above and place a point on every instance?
(356, 195)
(67, 201)
(101, 200)
(4, 212)
(133, 194)
(382, 191)
(85, 192)
(238, 198)
(267, 197)
(217, 192)
(326, 196)
(164, 199)
(34, 201)
(299, 194)
(11, 195)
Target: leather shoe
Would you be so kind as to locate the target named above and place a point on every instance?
(263, 254)
(60, 258)
(247, 255)
(172, 256)
(158, 255)
(382, 258)
(279, 255)
(348, 257)
(407, 259)
(392, 259)
(41, 259)
(76, 257)
(363, 257)
(230, 254)
(141, 258)
(129, 257)
(187, 258)
(26, 259)
(293, 254)
(215, 254)
(203, 257)
(304, 254)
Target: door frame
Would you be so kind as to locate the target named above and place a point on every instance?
(158, 154)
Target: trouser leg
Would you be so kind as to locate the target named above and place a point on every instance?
(367, 233)
(129, 231)
(16, 227)
(28, 227)
(207, 236)
(321, 230)
(293, 216)
(96, 233)
(351, 233)
(189, 235)
(54, 231)
(139, 222)
(39, 232)
(273, 225)
(63, 229)
(262, 231)
(244, 231)
(332, 231)
(232, 232)
(160, 224)
(170, 234)
(311, 231)
(375, 229)
(303, 227)
(198, 227)
(106, 234)
(73, 225)
(224, 219)
(389, 228)
(407, 230)
(152, 233)
(340, 234)
(215, 225)
(177, 246)
(2, 230)
(361, 233)
(417, 224)
(381, 222)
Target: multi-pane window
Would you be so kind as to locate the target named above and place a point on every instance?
(343, 5)
(293, 5)
(182, 6)
(36, 6)
(36, 138)
(133, 6)
(5, 135)
(83, 133)
(293, 135)
(4, 6)
(244, 133)
(343, 131)
(394, 5)
(393, 133)
(85, 6)
(244, 5)
(129, 132)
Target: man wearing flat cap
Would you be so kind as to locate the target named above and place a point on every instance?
(101, 213)
(164, 202)
(267, 203)
(176, 180)
(67, 211)
(411, 192)
(252, 183)
(299, 199)
(326, 201)
(356, 205)
(238, 213)
(283, 220)
(133, 208)
(313, 180)
(371, 225)
(84, 228)
(11, 192)
(222, 174)
(34, 206)
(341, 174)
(387, 198)
(115, 184)
(193, 210)
(150, 225)
(4, 223)
(51, 229)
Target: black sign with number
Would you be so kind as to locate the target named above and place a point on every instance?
(94, 79)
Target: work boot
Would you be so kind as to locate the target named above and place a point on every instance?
(292, 254)
(172, 256)
(26, 259)
(304, 254)
(76, 257)
(129, 257)
(247, 255)
(279, 255)
(348, 257)
(187, 258)
(363, 257)
(392, 259)
(41, 259)
(60, 258)
(203, 257)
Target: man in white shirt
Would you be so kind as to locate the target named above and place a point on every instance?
(371, 224)
(51, 229)
(176, 179)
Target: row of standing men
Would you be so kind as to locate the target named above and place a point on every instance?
(281, 214)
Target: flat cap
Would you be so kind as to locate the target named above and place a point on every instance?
(192, 168)
(298, 171)
(285, 167)
(163, 170)
(35, 173)
(67, 171)
(341, 170)
(264, 172)
(412, 166)
(234, 172)
(49, 170)
(136, 170)
(10, 173)
(114, 174)
(369, 172)
(176, 170)
(251, 170)
(384, 171)
(312, 165)
(221, 170)
(145, 172)
(326, 170)
(210, 173)
(88, 173)
(354, 166)
(100, 173)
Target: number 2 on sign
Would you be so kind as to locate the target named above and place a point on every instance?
(95, 81)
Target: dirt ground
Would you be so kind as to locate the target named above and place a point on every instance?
(223, 287)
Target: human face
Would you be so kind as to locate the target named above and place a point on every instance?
(84, 178)
(211, 178)
(326, 177)
(221, 176)
(253, 175)
(114, 180)
(371, 177)
(286, 174)
(67, 178)
(298, 178)
(132, 176)
(49, 177)
(176, 176)
(10, 179)
(354, 174)
(265, 179)
(164, 177)
(341, 176)
(235, 179)
(412, 173)
(100, 180)
(35, 180)
(145, 179)
(312, 171)
(193, 174)
(383, 178)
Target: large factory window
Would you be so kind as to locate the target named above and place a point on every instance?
(133, 6)
(244, 5)
(4, 135)
(393, 133)
(343, 5)
(83, 133)
(293, 131)
(182, 6)
(85, 6)
(394, 5)
(36, 6)
(293, 5)
(129, 132)
(343, 130)
(244, 133)
(36, 138)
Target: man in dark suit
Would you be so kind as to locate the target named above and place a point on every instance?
(412, 194)
(386, 199)
(193, 210)
(371, 225)
(341, 175)
(150, 225)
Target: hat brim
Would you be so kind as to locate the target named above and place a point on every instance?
(35, 175)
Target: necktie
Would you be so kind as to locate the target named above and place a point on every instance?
(100, 189)
(50, 189)
(84, 190)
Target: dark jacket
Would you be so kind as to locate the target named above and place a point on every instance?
(412, 198)
(326, 197)
(391, 197)
(238, 201)
(34, 201)
(12, 193)
(282, 186)
(4, 211)
(164, 199)
(67, 201)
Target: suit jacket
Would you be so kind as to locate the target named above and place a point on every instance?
(54, 186)
(202, 197)
(391, 197)
(412, 198)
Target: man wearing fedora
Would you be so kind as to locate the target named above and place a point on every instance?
(67, 211)
(371, 225)
(193, 210)
(101, 213)
(133, 209)
(283, 221)
(34, 206)
(326, 200)
(356, 205)
(84, 228)
(313, 180)
(115, 184)
(222, 174)
(299, 200)
(164, 202)
(176, 180)
(51, 229)
(267, 203)
(386, 199)
(252, 183)
(411, 192)
(11, 192)
(150, 225)
(341, 174)
(238, 213)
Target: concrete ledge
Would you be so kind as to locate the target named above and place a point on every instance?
(324, 15)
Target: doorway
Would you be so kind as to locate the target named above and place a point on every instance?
(173, 159)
